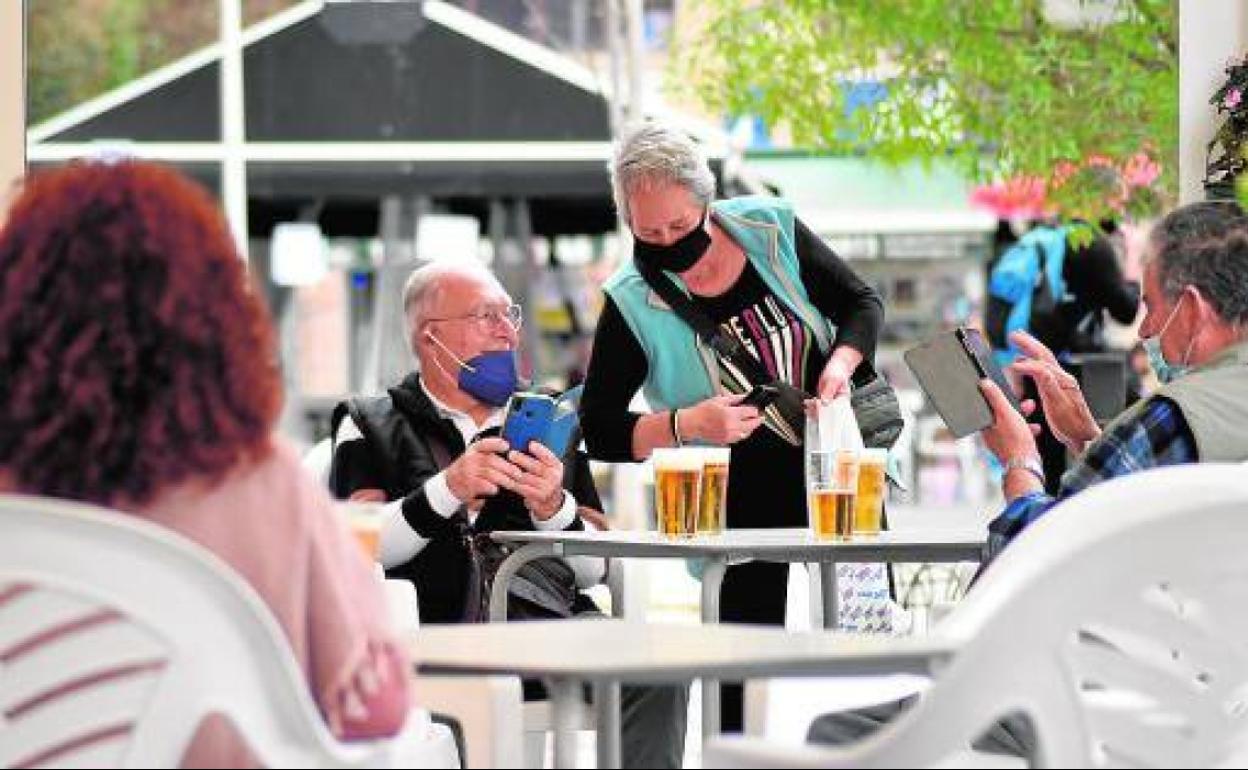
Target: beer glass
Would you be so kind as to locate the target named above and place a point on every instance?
(713, 509)
(364, 520)
(831, 487)
(677, 486)
(869, 505)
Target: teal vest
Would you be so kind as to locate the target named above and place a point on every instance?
(683, 371)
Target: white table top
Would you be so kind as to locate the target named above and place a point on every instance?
(790, 544)
(601, 649)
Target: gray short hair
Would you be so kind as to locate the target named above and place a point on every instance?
(652, 153)
(1205, 245)
(421, 289)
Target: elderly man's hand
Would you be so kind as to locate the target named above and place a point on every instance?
(1065, 409)
(1011, 438)
(1010, 435)
(541, 480)
(481, 471)
(367, 495)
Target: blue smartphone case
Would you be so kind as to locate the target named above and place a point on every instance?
(546, 420)
(528, 418)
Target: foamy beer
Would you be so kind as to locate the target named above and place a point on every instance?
(677, 486)
(869, 505)
(713, 508)
(832, 486)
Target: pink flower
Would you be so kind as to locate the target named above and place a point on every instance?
(1233, 98)
(1140, 170)
(1022, 197)
(1063, 171)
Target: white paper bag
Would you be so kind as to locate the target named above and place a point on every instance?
(863, 601)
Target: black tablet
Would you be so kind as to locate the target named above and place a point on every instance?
(948, 368)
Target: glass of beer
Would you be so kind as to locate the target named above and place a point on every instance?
(869, 505)
(364, 521)
(677, 486)
(713, 509)
(831, 487)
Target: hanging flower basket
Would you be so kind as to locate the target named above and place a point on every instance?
(1226, 157)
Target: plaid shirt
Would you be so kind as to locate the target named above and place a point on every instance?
(1158, 436)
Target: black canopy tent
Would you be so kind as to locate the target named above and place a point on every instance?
(453, 114)
(461, 112)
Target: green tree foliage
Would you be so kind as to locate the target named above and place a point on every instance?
(997, 85)
(78, 49)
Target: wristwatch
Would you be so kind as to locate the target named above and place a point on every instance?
(1029, 463)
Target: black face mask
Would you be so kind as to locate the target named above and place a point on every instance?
(677, 257)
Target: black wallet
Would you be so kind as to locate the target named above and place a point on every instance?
(949, 367)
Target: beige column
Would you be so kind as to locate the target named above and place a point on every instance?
(1210, 33)
(12, 95)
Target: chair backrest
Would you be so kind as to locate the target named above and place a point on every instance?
(1116, 625)
(117, 637)
(318, 460)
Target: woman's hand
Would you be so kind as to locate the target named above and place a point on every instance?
(834, 380)
(719, 420)
(1065, 409)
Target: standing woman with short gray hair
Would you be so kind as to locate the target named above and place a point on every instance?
(763, 279)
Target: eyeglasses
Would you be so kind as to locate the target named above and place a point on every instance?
(488, 318)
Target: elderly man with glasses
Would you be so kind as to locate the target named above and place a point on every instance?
(430, 450)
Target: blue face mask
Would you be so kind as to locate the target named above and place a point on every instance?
(1166, 372)
(489, 378)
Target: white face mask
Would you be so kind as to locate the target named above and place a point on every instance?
(1167, 372)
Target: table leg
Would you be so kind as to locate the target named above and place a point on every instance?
(510, 566)
(617, 587)
(565, 699)
(712, 582)
(607, 704)
(827, 591)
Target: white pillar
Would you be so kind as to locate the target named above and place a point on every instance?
(634, 21)
(12, 96)
(1211, 32)
(233, 128)
(615, 47)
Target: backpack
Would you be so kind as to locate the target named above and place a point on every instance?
(1026, 291)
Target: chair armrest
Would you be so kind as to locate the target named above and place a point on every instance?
(749, 752)
(783, 709)
(488, 710)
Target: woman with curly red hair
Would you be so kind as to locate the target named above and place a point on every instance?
(140, 373)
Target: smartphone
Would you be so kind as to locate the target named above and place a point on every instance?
(985, 364)
(528, 418)
(761, 396)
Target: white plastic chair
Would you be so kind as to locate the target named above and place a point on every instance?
(1115, 624)
(318, 459)
(118, 637)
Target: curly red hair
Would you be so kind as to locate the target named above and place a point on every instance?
(135, 354)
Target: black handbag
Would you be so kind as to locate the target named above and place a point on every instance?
(873, 400)
(542, 589)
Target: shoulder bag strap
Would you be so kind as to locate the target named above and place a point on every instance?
(721, 343)
(710, 334)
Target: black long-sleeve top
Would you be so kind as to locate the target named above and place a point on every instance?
(618, 368)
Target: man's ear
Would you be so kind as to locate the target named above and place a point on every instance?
(1204, 311)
